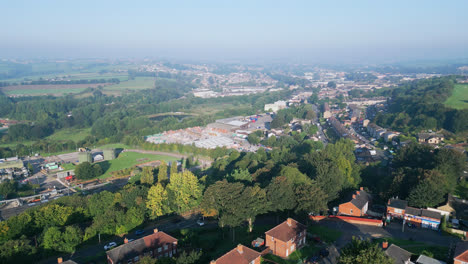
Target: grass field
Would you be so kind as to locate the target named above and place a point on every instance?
(326, 234)
(137, 84)
(129, 159)
(52, 89)
(459, 98)
(70, 134)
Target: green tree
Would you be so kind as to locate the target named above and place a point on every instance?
(310, 198)
(363, 252)
(100, 202)
(190, 258)
(62, 241)
(331, 85)
(240, 175)
(294, 176)
(52, 215)
(184, 191)
(174, 168)
(85, 170)
(17, 251)
(280, 194)
(255, 203)
(147, 176)
(162, 173)
(429, 192)
(8, 188)
(147, 260)
(157, 202)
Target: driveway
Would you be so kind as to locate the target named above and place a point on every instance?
(392, 230)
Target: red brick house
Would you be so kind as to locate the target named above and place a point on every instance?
(358, 204)
(239, 255)
(286, 237)
(156, 245)
(461, 253)
(396, 208)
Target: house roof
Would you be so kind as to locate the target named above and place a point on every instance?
(427, 260)
(423, 212)
(429, 135)
(361, 199)
(239, 255)
(397, 203)
(138, 246)
(286, 230)
(400, 255)
(460, 251)
(69, 262)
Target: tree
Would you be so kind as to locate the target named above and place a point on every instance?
(52, 215)
(189, 258)
(174, 168)
(253, 139)
(100, 202)
(363, 252)
(280, 194)
(240, 175)
(17, 251)
(429, 192)
(147, 176)
(294, 176)
(86, 170)
(255, 203)
(62, 241)
(8, 188)
(157, 202)
(310, 198)
(331, 84)
(147, 260)
(162, 173)
(184, 191)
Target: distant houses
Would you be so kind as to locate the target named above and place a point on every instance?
(430, 138)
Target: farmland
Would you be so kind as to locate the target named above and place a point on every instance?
(459, 97)
(48, 89)
(135, 84)
(70, 134)
(128, 160)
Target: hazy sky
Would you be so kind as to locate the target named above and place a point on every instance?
(308, 31)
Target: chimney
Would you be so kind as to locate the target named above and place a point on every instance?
(289, 221)
(240, 249)
(354, 196)
(358, 192)
(59, 260)
(125, 241)
(362, 188)
(213, 262)
(156, 230)
(385, 244)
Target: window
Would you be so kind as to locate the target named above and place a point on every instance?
(165, 247)
(166, 254)
(252, 262)
(159, 249)
(292, 248)
(351, 211)
(136, 258)
(129, 261)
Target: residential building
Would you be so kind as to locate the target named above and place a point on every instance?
(396, 208)
(358, 204)
(156, 245)
(388, 136)
(422, 259)
(422, 217)
(286, 237)
(430, 138)
(241, 255)
(461, 253)
(399, 255)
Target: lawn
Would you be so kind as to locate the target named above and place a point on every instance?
(326, 234)
(68, 166)
(128, 160)
(70, 134)
(459, 98)
(297, 256)
(115, 146)
(136, 84)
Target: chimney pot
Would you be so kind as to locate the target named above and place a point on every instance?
(289, 221)
(362, 188)
(385, 244)
(388, 201)
(125, 241)
(358, 192)
(59, 260)
(240, 249)
(156, 230)
(354, 196)
(213, 262)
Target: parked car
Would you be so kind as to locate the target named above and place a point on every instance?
(139, 232)
(200, 222)
(110, 245)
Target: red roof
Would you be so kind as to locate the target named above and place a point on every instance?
(286, 230)
(239, 255)
(461, 252)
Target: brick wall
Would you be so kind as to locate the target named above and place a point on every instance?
(349, 209)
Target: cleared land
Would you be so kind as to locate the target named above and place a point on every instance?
(129, 159)
(459, 98)
(138, 83)
(70, 134)
(47, 89)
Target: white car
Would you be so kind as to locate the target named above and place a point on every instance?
(110, 245)
(200, 222)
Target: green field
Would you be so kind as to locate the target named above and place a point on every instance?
(129, 159)
(459, 98)
(25, 92)
(137, 84)
(70, 134)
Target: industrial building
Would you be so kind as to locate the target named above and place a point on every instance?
(109, 154)
(85, 157)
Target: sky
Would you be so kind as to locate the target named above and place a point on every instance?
(309, 31)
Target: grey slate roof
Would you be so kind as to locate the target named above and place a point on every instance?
(461, 248)
(412, 211)
(427, 260)
(400, 255)
(361, 199)
(423, 212)
(397, 203)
